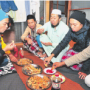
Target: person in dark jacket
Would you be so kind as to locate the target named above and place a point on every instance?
(79, 27)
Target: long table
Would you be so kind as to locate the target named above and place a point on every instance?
(67, 85)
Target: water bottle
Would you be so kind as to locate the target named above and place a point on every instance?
(21, 53)
(56, 82)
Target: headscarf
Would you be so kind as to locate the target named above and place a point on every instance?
(3, 15)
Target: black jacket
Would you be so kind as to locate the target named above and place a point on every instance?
(1, 55)
(80, 37)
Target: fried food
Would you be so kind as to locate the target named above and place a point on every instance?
(53, 68)
(24, 61)
(37, 82)
(30, 69)
(46, 65)
(12, 41)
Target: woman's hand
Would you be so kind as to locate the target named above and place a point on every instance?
(82, 75)
(46, 43)
(9, 47)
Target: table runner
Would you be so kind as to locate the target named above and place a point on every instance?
(67, 85)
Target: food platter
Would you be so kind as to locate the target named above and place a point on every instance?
(38, 82)
(24, 61)
(49, 70)
(32, 69)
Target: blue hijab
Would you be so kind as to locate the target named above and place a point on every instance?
(3, 15)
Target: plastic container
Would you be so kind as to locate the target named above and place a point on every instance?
(56, 82)
(15, 51)
(21, 53)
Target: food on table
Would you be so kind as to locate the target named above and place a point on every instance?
(24, 61)
(53, 68)
(49, 71)
(46, 65)
(12, 41)
(38, 83)
(31, 69)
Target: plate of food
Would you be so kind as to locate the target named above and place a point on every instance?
(32, 69)
(24, 61)
(61, 77)
(49, 70)
(39, 82)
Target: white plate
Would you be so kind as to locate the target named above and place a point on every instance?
(61, 76)
(49, 68)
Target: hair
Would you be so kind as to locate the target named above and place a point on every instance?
(11, 20)
(59, 16)
(31, 17)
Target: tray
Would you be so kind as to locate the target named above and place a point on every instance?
(24, 61)
(32, 69)
(39, 82)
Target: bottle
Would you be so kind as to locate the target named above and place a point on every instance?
(15, 51)
(21, 53)
(56, 82)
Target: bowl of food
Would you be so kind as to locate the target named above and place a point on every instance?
(39, 82)
(32, 69)
(24, 61)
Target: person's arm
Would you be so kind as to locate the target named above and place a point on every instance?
(38, 26)
(78, 58)
(4, 45)
(2, 52)
(43, 28)
(62, 44)
(86, 66)
(25, 34)
(58, 64)
(12, 57)
(6, 50)
(48, 59)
